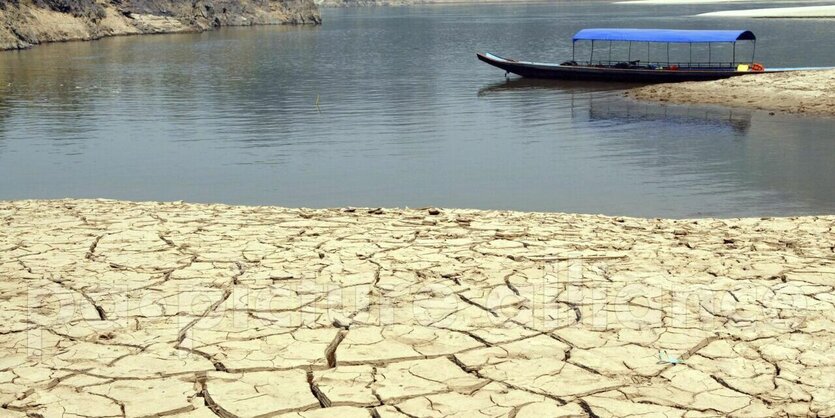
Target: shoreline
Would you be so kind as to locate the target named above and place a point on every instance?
(803, 92)
(347, 4)
(679, 2)
(25, 25)
(146, 308)
(801, 12)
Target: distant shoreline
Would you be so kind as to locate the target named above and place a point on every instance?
(336, 4)
(778, 12)
(25, 25)
(670, 2)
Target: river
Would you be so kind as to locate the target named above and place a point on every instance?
(389, 107)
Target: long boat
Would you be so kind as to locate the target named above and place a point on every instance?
(630, 70)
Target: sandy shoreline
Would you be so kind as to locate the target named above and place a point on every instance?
(133, 309)
(675, 2)
(802, 92)
(778, 12)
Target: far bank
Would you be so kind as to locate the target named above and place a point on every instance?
(24, 23)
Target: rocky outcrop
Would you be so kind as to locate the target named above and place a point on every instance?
(24, 23)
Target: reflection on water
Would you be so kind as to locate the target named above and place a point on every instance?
(701, 156)
(567, 86)
(582, 95)
(406, 116)
(738, 121)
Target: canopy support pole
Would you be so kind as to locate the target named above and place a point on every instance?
(591, 59)
(691, 54)
(629, 57)
(754, 53)
(573, 45)
(648, 60)
(610, 52)
(668, 54)
(734, 62)
(708, 54)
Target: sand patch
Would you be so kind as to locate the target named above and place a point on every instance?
(778, 12)
(804, 92)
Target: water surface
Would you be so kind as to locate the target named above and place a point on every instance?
(406, 116)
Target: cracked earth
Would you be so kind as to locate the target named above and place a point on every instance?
(120, 309)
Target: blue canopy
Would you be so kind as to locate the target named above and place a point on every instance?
(664, 35)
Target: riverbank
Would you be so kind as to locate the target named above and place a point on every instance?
(801, 92)
(372, 3)
(778, 12)
(27, 23)
(194, 310)
(677, 2)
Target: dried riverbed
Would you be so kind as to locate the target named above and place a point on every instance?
(136, 309)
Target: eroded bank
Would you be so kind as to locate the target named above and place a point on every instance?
(24, 23)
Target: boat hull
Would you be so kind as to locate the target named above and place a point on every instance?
(628, 75)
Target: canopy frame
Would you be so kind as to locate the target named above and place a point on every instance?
(666, 36)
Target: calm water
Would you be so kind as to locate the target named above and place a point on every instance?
(406, 116)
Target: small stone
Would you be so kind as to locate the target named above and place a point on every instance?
(341, 321)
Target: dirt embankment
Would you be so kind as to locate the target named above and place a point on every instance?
(806, 92)
(24, 23)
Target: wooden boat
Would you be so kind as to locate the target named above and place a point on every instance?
(631, 70)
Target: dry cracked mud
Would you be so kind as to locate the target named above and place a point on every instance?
(120, 309)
